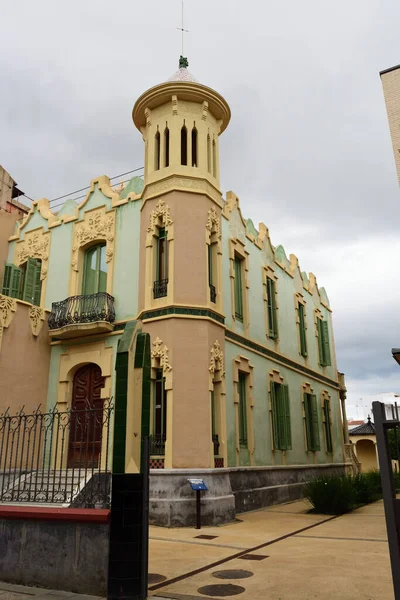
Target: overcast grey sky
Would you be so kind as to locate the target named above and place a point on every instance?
(307, 151)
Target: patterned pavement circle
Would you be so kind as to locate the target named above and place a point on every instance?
(221, 590)
(232, 574)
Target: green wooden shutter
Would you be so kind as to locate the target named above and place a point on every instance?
(11, 281)
(315, 426)
(29, 283)
(274, 415)
(325, 340)
(242, 411)
(238, 289)
(271, 303)
(307, 413)
(320, 343)
(286, 411)
(7, 277)
(302, 330)
(38, 284)
(328, 431)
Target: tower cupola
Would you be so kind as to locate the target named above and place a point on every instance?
(180, 121)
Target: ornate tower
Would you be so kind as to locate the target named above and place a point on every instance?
(180, 281)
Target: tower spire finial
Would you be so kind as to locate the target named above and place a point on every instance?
(182, 59)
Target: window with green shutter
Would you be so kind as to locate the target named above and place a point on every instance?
(32, 283)
(242, 410)
(271, 309)
(280, 405)
(12, 280)
(311, 422)
(323, 343)
(302, 329)
(95, 270)
(238, 291)
(327, 425)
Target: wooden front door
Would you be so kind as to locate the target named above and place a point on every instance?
(86, 418)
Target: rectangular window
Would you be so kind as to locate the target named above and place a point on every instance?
(323, 343)
(271, 309)
(311, 420)
(242, 410)
(282, 434)
(12, 279)
(213, 291)
(238, 288)
(160, 405)
(162, 266)
(302, 330)
(327, 425)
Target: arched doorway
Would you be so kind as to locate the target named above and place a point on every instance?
(86, 417)
(366, 454)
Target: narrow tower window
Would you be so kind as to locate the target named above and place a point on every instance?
(209, 153)
(194, 147)
(166, 140)
(214, 158)
(157, 151)
(184, 146)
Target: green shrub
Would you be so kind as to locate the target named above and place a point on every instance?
(367, 487)
(331, 495)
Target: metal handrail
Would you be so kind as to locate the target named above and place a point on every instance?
(82, 309)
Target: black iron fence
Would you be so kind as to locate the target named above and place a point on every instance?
(82, 309)
(160, 288)
(60, 457)
(157, 444)
(213, 293)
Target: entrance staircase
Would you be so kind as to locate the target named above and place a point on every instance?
(52, 487)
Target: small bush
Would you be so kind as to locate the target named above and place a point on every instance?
(367, 487)
(331, 495)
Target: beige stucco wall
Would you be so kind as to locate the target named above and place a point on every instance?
(7, 226)
(391, 91)
(365, 449)
(24, 363)
(189, 342)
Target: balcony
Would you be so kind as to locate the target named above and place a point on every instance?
(160, 288)
(213, 293)
(79, 315)
(157, 444)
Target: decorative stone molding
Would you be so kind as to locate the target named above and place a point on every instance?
(186, 184)
(217, 359)
(205, 110)
(96, 225)
(8, 306)
(36, 318)
(36, 244)
(213, 222)
(160, 213)
(160, 351)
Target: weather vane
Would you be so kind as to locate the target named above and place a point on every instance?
(183, 31)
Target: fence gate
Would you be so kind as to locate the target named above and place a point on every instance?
(386, 418)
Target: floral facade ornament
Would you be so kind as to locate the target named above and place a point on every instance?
(8, 306)
(160, 351)
(36, 244)
(213, 222)
(36, 318)
(96, 225)
(217, 359)
(160, 213)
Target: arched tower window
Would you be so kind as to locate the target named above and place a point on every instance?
(184, 145)
(157, 151)
(194, 147)
(214, 158)
(209, 153)
(166, 142)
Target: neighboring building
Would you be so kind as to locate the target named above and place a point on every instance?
(243, 364)
(363, 439)
(391, 89)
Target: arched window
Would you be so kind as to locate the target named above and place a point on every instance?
(95, 270)
(194, 147)
(157, 151)
(209, 153)
(184, 146)
(166, 142)
(214, 158)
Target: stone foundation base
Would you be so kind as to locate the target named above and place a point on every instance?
(230, 491)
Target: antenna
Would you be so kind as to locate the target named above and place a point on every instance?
(182, 29)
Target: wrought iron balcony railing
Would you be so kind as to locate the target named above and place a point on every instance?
(160, 288)
(157, 444)
(213, 293)
(82, 309)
